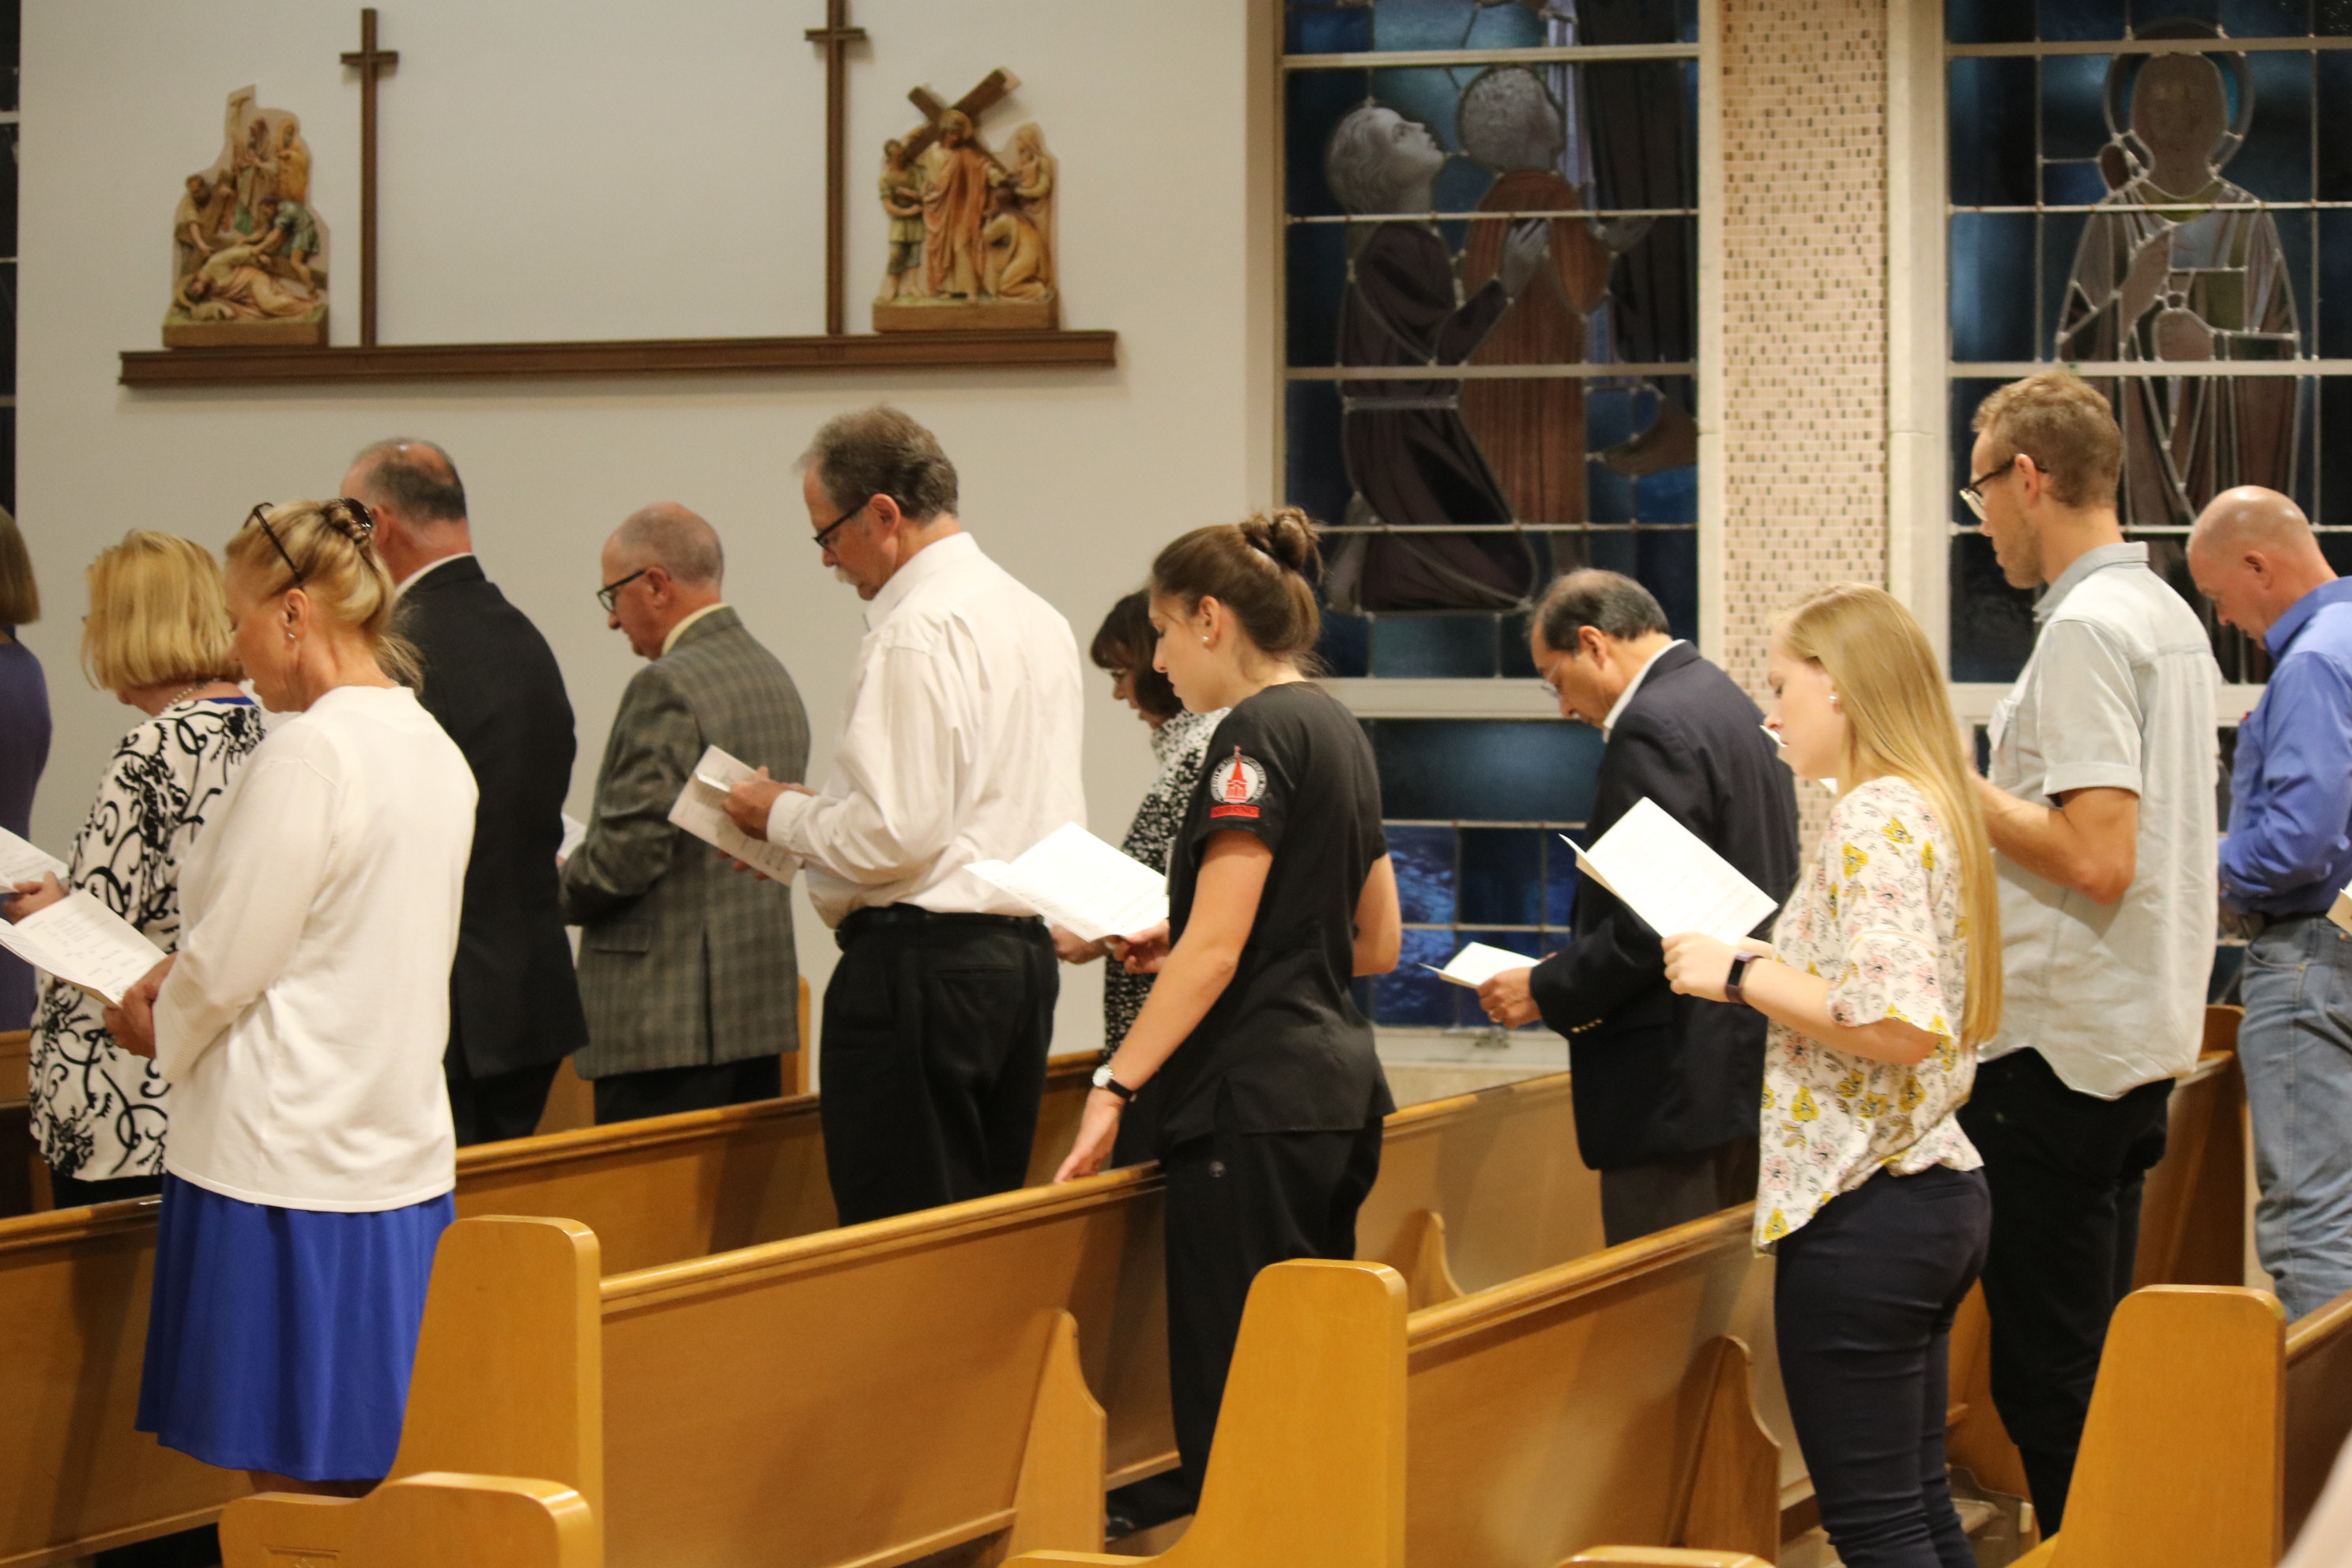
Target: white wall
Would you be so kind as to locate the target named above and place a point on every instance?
(600, 169)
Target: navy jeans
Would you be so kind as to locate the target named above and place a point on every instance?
(1862, 1301)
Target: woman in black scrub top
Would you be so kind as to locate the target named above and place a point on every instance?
(1279, 891)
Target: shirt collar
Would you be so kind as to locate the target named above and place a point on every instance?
(1625, 697)
(410, 580)
(942, 555)
(2288, 626)
(678, 630)
(2090, 561)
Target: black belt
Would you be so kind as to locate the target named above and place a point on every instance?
(2262, 922)
(883, 917)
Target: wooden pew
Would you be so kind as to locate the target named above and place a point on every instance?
(76, 1479)
(966, 1379)
(2318, 1406)
(1605, 1400)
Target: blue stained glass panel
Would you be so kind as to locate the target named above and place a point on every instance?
(1314, 264)
(2076, 182)
(2295, 238)
(2073, 113)
(2146, 13)
(1412, 996)
(1435, 646)
(1667, 564)
(1316, 476)
(2331, 17)
(1516, 662)
(1486, 770)
(2266, 18)
(1561, 879)
(1993, 286)
(1989, 21)
(2275, 163)
(1992, 623)
(1328, 30)
(2335, 171)
(1345, 646)
(1453, 24)
(2062, 233)
(1425, 93)
(1313, 102)
(2335, 335)
(1991, 111)
(2077, 21)
(1502, 876)
(2335, 455)
(1424, 860)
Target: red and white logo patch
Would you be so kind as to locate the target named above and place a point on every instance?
(1235, 785)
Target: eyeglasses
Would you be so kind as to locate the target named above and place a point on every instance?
(1973, 491)
(610, 594)
(824, 535)
(345, 516)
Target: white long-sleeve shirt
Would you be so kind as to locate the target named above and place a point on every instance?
(303, 1028)
(960, 743)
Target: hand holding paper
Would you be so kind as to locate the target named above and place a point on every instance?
(84, 944)
(23, 862)
(1079, 882)
(701, 810)
(1666, 874)
(1478, 963)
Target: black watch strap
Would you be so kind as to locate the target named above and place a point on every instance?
(1732, 992)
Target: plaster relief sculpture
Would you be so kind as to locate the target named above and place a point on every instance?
(249, 260)
(970, 229)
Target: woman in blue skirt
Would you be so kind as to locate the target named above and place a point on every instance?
(301, 1025)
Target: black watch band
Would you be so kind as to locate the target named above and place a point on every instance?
(1731, 988)
(1103, 1079)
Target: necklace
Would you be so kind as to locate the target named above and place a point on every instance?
(181, 695)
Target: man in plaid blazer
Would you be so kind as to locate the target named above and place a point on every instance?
(687, 969)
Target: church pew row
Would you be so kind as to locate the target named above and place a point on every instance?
(964, 1379)
(76, 1479)
(1605, 1401)
(2192, 1232)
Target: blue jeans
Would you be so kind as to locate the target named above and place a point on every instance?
(2295, 1050)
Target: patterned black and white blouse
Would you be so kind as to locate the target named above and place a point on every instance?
(98, 1112)
(1182, 745)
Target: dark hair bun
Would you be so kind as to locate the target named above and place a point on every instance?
(1288, 537)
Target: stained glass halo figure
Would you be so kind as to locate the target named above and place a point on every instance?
(2115, 96)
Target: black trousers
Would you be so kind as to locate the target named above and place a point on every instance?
(1639, 1200)
(936, 1030)
(1863, 1299)
(1238, 1201)
(2066, 1170)
(498, 1106)
(666, 1091)
(72, 1193)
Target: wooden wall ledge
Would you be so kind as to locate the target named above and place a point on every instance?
(269, 365)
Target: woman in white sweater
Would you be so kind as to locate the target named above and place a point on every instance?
(301, 1025)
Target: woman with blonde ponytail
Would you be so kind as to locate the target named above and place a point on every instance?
(1884, 979)
(300, 1025)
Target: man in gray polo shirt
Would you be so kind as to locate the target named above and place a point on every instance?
(2101, 808)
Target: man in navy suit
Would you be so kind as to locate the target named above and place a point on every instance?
(1667, 1087)
(492, 682)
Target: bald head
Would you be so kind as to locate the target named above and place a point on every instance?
(2253, 555)
(412, 490)
(679, 541)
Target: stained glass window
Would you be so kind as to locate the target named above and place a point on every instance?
(2158, 191)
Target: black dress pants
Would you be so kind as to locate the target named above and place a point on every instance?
(666, 1091)
(1239, 1202)
(72, 1193)
(1639, 1200)
(2066, 1170)
(498, 1106)
(936, 1030)
(1863, 1299)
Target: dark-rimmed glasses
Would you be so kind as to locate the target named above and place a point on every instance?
(1973, 491)
(609, 596)
(824, 535)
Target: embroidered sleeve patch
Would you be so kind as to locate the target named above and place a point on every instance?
(1235, 785)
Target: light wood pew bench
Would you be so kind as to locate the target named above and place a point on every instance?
(963, 1380)
(76, 1479)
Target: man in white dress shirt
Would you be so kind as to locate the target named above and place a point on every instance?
(960, 744)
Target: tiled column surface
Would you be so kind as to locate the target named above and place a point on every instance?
(1804, 266)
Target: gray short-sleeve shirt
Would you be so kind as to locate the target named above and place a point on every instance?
(2120, 693)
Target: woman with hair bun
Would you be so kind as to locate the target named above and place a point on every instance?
(300, 1025)
(1280, 892)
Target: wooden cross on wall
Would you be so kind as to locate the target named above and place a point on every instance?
(369, 62)
(835, 38)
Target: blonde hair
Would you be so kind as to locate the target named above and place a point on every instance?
(2062, 422)
(20, 594)
(1899, 722)
(157, 615)
(328, 550)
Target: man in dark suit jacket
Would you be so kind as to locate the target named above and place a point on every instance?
(1667, 1088)
(687, 967)
(492, 682)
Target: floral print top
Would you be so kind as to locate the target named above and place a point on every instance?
(1181, 745)
(1878, 915)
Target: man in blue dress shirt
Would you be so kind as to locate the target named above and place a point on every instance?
(2287, 852)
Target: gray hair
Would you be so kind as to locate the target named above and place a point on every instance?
(416, 478)
(1361, 163)
(679, 541)
(1508, 121)
(880, 451)
(1610, 602)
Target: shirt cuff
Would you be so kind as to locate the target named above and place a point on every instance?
(785, 814)
(2071, 776)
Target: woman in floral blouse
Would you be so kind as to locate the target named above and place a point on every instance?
(158, 637)
(1884, 978)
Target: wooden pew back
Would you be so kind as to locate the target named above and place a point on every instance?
(2318, 1406)
(76, 1479)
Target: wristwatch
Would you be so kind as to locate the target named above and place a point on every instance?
(1731, 990)
(1104, 1080)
